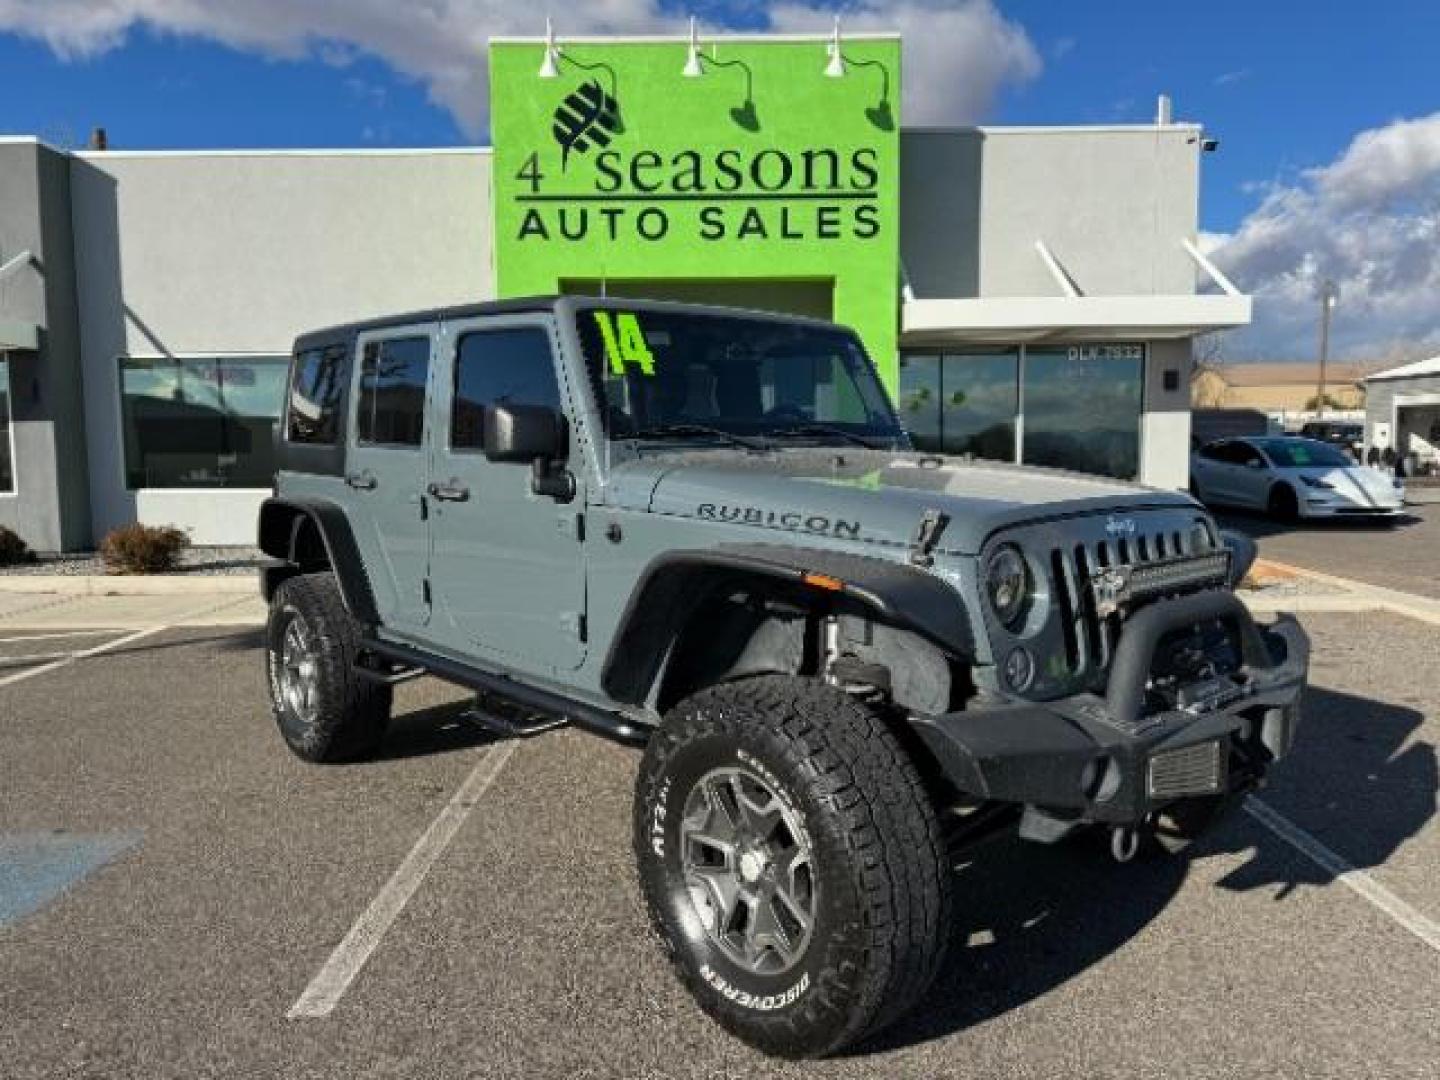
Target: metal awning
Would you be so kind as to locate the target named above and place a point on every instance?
(1074, 316)
(18, 335)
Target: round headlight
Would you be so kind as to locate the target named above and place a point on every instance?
(1007, 583)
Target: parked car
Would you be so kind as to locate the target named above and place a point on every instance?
(1292, 478)
(704, 532)
(1346, 435)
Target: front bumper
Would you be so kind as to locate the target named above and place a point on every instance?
(1116, 759)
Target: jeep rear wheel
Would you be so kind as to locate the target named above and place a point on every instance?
(792, 863)
(324, 710)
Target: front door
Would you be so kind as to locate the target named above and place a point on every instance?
(508, 569)
(387, 470)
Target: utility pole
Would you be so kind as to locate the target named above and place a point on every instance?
(1329, 293)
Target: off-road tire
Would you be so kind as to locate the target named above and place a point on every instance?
(351, 713)
(883, 886)
(1284, 504)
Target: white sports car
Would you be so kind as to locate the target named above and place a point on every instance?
(1292, 478)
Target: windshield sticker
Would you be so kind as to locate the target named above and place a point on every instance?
(771, 519)
(625, 344)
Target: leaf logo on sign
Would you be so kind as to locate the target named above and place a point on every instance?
(586, 118)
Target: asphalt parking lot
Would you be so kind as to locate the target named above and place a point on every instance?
(183, 880)
(1402, 555)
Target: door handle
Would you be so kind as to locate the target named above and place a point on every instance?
(362, 481)
(452, 491)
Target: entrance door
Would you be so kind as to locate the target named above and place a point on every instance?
(388, 468)
(508, 568)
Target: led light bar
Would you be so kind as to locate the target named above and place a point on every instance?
(1117, 586)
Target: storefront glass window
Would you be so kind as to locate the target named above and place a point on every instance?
(920, 400)
(979, 394)
(201, 423)
(1082, 408)
(7, 464)
(961, 403)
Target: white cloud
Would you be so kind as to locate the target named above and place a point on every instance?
(1370, 221)
(959, 53)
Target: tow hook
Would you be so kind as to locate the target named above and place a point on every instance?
(1124, 843)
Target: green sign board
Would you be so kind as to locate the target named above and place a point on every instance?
(760, 180)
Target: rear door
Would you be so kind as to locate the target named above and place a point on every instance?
(508, 569)
(1211, 472)
(1253, 477)
(388, 468)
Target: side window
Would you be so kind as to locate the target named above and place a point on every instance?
(1245, 454)
(391, 410)
(512, 366)
(1215, 451)
(316, 387)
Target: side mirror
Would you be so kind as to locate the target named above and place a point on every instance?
(534, 434)
(1254, 463)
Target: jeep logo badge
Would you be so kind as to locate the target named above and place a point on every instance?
(1120, 526)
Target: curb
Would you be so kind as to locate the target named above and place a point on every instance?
(140, 585)
(1355, 596)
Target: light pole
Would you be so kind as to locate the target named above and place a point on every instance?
(1329, 293)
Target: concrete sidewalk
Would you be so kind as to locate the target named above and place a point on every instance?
(50, 611)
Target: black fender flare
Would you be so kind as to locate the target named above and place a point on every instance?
(671, 586)
(280, 523)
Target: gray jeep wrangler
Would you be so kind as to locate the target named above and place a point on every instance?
(704, 532)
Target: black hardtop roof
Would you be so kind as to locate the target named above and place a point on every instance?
(521, 305)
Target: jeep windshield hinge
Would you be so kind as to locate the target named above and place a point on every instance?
(927, 535)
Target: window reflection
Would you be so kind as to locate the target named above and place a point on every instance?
(980, 394)
(920, 401)
(7, 466)
(197, 423)
(1081, 405)
(1082, 408)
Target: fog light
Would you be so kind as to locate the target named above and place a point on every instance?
(1019, 669)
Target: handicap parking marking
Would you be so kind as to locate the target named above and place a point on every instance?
(36, 868)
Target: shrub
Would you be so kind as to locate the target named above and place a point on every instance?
(12, 549)
(142, 549)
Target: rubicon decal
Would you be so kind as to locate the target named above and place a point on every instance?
(794, 520)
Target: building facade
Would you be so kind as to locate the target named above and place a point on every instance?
(1402, 412)
(1028, 294)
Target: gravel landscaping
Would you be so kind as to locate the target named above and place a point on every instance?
(193, 561)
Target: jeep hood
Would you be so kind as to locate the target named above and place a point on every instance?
(869, 495)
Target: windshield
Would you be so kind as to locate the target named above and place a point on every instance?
(1304, 454)
(662, 374)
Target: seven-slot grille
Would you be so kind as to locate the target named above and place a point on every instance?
(1090, 636)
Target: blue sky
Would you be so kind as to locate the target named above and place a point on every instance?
(1286, 87)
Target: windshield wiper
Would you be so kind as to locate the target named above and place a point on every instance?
(666, 431)
(868, 441)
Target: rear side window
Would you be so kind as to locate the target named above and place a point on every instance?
(317, 386)
(511, 366)
(391, 410)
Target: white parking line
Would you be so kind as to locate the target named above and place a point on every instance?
(335, 977)
(60, 634)
(109, 646)
(1361, 883)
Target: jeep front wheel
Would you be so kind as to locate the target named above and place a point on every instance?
(792, 863)
(324, 709)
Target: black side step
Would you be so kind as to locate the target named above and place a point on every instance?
(394, 677)
(598, 721)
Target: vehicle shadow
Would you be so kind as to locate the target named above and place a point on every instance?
(1258, 525)
(1030, 917)
(435, 729)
